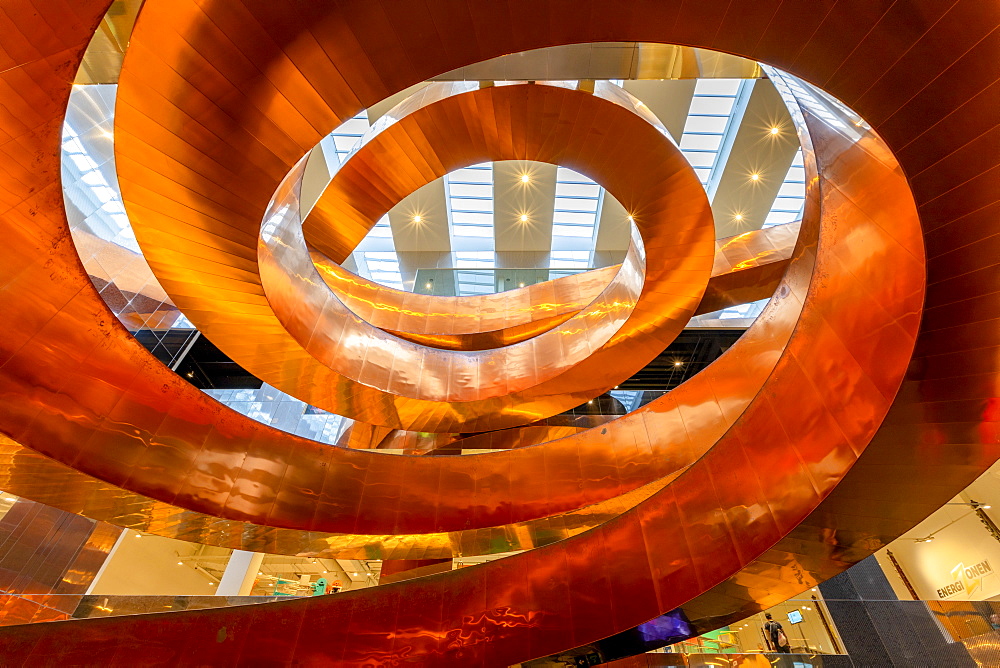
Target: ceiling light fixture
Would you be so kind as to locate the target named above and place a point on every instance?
(678, 363)
(417, 218)
(755, 177)
(738, 218)
(524, 217)
(775, 130)
(525, 178)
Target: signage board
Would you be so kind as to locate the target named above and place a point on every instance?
(965, 580)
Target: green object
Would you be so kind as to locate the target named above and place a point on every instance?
(319, 587)
(278, 584)
(720, 640)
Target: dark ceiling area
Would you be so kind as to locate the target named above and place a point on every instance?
(207, 367)
(691, 351)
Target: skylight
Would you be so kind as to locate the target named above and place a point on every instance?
(382, 228)
(85, 184)
(470, 204)
(577, 204)
(712, 114)
(787, 206)
(569, 259)
(339, 143)
(382, 267)
(475, 259)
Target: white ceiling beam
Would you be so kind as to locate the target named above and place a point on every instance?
(741, 202)
(514, 198)
(430, 232)
(669, 101)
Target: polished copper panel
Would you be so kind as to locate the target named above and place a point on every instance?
(747, 268)
(48, 559)
(715, 522)
(30, 474)
(463, 323)
(78, 389)
(102, 61)
(648, 301)
(365, 436)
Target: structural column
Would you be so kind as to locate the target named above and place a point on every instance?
(240, 573)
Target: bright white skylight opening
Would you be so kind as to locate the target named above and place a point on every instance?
(787, 206)
(90, 192)
(576, 211)
(470, 202)
(348, 134)
(475, 259)
(382, 267)
(569, 259)
(709, 119)
(382, 229)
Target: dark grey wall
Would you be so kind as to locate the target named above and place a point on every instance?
(880, 630)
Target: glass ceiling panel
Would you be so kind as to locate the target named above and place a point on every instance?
(475, 259)
(787, 206)
(710, 117)
(577, 207)
(380, 266)
(347, 135)
(470, 202)
(569, 259)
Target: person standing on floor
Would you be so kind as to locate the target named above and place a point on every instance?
(775, 635)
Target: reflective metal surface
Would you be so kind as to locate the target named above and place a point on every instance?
(101, 231)
(32, 475)
(747, 267)
(464, 323)
(102, 61)
(648, 301)
(48, 559)
(90, 397)
(608, 60)
(761, 514)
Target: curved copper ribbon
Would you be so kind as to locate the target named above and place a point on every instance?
(28, 474)
(495, 612)
(620, 331)
(126, 419)
(747, 267)
(164, 439)
(464, 323)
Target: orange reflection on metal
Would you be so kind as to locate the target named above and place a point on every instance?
(649, 300)
(27, 473)
(463, 323)
(761, 515)
(92, 397)
(747, 268)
